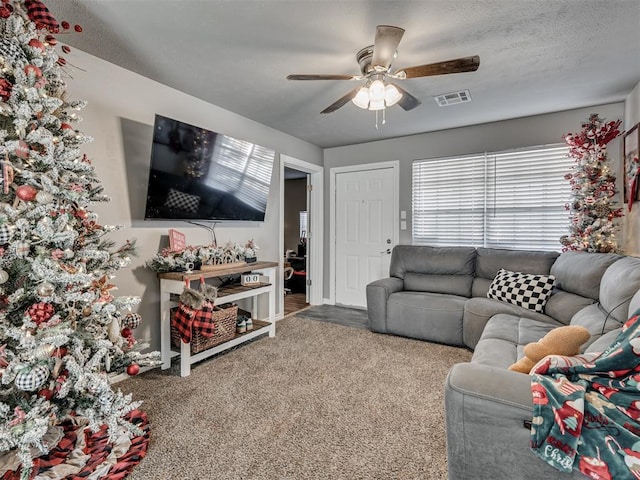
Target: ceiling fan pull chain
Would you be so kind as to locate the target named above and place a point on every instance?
(384, 116)
(376, 119)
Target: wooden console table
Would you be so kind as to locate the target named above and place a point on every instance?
(173, 283)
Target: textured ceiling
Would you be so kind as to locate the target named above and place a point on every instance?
(536, 56)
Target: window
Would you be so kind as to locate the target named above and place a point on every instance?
(512, 199)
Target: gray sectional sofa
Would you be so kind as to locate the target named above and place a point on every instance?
(439, 294)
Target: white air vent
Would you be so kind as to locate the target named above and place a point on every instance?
(452, 98)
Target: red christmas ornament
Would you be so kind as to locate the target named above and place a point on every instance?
(65, 25)
(35, 43)
(26, 193)
(78, 28)
(125, 332)
(61, 61)
(5, 11)
(5, 89)
(66, 49)
(40, 312)
(133, 369)
(29, 69)
(51, 40)
(46, 393)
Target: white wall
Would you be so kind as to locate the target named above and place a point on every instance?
(120, 117)
(632, 220)
(508, 134)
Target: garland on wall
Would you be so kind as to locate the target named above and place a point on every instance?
(193, 257)
(593, 186)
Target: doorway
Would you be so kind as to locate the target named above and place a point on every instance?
(364, 228)
(301, 245)
(296, 214)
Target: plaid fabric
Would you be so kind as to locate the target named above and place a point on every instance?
(131, 320)
(12, 52)
(182, 320)
(39, 14)
(522, 289)
(186, 320)
(30, 380)
(203, 322)
(6, 232)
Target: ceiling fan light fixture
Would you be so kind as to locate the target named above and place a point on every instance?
(391, 95)
(361, 99)
(376, 105)
(376, 91)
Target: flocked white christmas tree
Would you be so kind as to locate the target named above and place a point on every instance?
(62, 332)
(593, 186)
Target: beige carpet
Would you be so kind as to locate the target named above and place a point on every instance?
(318, 401)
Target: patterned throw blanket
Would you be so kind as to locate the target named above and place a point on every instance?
(586, 413)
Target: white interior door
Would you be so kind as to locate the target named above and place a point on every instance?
(364, 231)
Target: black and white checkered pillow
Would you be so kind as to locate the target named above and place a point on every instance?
(523, 289)
(182, 201)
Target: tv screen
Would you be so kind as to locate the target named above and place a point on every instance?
(197, 174)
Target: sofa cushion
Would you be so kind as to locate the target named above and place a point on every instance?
(604, 342)
(490, 260)
(619, 284)
(446, 270)
(595, 319)
(580, 272)
(432, 260)
(503, 340)
(478, 311)
(452, 284)
(526, 290)
(564, 305)
(426, 316)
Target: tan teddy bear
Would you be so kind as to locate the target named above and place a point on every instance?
(559, 341)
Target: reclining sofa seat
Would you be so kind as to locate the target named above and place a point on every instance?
(439, 294)
(486, 404)
(428, 291)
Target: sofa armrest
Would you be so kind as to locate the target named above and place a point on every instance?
(486, 408)
(378, 293)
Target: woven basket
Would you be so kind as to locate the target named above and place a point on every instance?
(225, 319)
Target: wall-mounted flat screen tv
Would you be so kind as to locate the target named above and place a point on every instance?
(197, 174)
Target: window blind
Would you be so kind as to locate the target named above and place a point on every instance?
(512, 199)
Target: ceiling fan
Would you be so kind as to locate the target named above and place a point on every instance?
(375, 65)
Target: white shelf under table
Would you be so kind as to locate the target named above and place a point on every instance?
(174, 282)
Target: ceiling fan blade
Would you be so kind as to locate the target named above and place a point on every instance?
(385, 45)
(341, 102)
(322, 77)
(408, 101)
(465, 64)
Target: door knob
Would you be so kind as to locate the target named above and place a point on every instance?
(388, 250)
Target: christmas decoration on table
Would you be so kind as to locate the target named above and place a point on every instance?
(169, 260)
(593, 207)
(58, 313)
